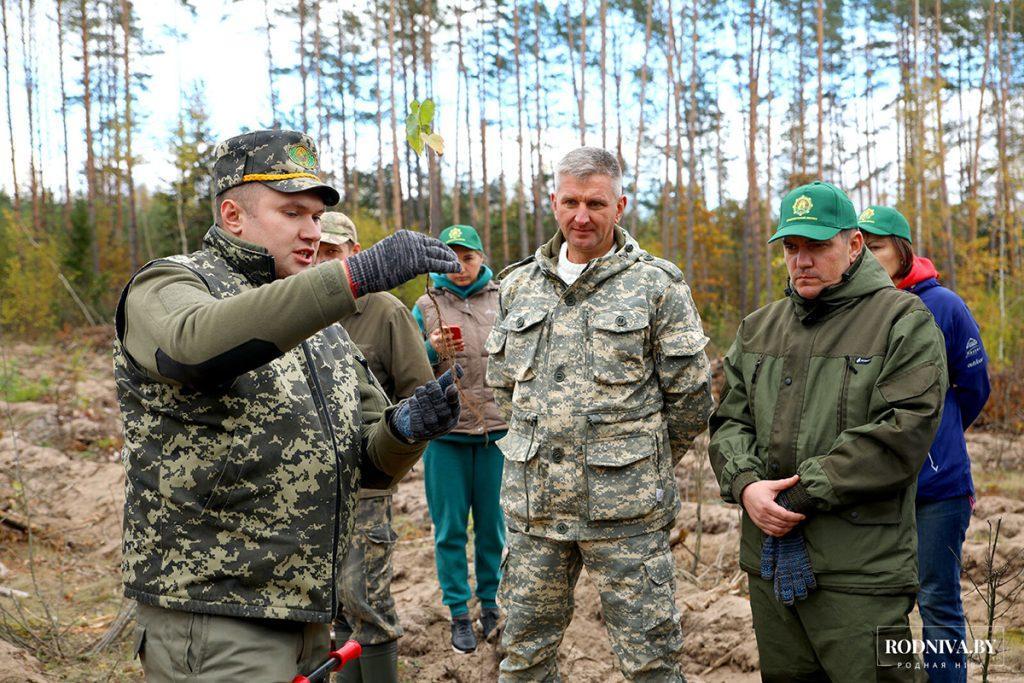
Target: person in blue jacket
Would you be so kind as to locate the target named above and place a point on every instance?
(945, 490)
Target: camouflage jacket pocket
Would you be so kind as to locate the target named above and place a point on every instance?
(522, 486)
(623, 481)
(522, 328)
(617, 346)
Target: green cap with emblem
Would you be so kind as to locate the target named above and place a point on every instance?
(283, 160)
(817, 211)
(462, 235)
(337, 228)
(884, 220)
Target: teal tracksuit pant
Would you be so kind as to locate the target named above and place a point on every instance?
(462, 474)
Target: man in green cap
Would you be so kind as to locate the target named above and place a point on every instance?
(390, 341)
(832, 396)
(250, 422)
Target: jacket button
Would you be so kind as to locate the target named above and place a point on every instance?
(774, 466)
(562, 528)
(570, 300)
(788, 381)
(556, 455)
(519, 322)
(855, 514)
(629, 248)
(648, 257)
(621, 321)
(559, 376)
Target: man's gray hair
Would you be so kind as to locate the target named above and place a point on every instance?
(584, 162)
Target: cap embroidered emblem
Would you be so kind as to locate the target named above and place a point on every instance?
(802, 205)
(455, 234)
(302, 155)
(866, 216)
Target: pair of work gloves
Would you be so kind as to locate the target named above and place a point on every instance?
(433, 409)
(785, 562)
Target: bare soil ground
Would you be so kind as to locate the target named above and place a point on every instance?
(61, 494)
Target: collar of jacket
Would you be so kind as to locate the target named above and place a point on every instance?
(864, 276)
(627, 252)
(442, 281)
(251, 260)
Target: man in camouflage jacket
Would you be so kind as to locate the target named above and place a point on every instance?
(597, 359)
(250, 420)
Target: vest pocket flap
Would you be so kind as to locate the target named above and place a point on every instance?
(620, 321)
(523, 319)
(381, 534)
(909, 384)
(621, 451)
(875, 512)
(495, 341)
(518, 447)
(659, 568)
(686, 342)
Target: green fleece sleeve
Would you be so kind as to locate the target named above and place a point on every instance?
(684, 373)
(179, 333)
(407, 363)
(386, 457)
(733, 444)
(884, 456)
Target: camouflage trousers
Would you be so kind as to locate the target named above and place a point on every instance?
(635, 577)
(366, 609)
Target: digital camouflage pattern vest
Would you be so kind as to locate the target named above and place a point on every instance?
(238, 497)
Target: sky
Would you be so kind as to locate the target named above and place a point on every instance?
(223, 52)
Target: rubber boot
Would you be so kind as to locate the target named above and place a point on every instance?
(378, 664)
(351, 672)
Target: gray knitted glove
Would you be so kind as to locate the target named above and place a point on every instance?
(396, 259)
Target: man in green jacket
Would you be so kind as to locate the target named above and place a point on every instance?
(250, 420)
(832, 396)
(390, 340)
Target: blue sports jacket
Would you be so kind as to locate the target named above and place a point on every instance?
(947, 470)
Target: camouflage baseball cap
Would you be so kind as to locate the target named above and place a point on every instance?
(818, 211)
(283, 160)
(337, 228)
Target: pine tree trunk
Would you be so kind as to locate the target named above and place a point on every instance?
(972, 201)
(940, 135)
(459, 70)
(28, 64)
(396, 175)
(538, 180)
(66, 209)
(800, 146)
(769, 284)
(303, 67)
(821, 72)
(506, 253)
(347, 90)
(691, 137)
(524, 241)
(16, 195)
(267, 36)
(635, 216)
(90, 158)
(604, 74)
(753, 199)
(382, 205)
(470, 200)
(673, 62)
(318, 78)
(583, 75)
(129, 123)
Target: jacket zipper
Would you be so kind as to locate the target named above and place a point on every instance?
(841, 416)
(753, 384)
(325, 417)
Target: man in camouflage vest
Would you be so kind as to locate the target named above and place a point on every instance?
(597, 359)
(389, 339)
(250, 420)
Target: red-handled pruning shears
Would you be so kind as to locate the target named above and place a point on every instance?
(337, 659)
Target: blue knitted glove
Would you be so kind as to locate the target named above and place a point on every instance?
(432, 411)
(794, 576)
(769, 557)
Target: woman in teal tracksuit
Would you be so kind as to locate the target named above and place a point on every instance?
(462, 470)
